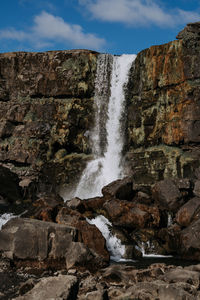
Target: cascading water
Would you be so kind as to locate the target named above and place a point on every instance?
(113, 244)
(4, 218)
(106, 166)
(107, 139)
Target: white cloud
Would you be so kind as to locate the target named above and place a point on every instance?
(48, 29)
(138, 12)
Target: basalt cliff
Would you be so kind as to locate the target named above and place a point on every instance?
(47, 111)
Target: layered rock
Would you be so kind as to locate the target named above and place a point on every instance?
(46, 110)
(163, 124)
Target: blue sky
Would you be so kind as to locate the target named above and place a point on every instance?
(113, 26)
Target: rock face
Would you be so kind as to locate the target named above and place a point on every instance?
(46, 109)
(61, 287)
(44, 245)
(164, 110)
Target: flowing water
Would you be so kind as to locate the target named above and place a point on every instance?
(4, 218)
(107, 136)
(113, 244)
(107, 139)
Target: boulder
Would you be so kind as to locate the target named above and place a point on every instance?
(80, 256)
(46, 207)
(87, 233)
(60, 287)
(189, 242)
(37, 243)
(167, 195)
(121, 189)
(197, 188)
(131, 215)
(182, 275)
(188, 212)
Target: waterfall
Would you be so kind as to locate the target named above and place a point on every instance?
(106, 137)
(113, 244)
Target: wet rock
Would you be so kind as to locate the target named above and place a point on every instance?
(188, 212)
(61, 287)
(120, 189)
(9, 185)
(46, 207)
(27, 286)
(131, 215)
(87, 233)
(126, 214)
(167, 195)
(189, 242)
(80, 256)
(75, 203)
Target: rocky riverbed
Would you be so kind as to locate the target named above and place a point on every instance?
(52, 251)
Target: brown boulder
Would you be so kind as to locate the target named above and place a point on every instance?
(60, 287)
(121, 189)
(35, 242)
(131, 215)
(188, 212)
(45, 207)
(189, 242)
(167, 195)
(87, 233)
(197, 188)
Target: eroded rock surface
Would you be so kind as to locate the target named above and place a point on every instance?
(163, 110)
(46, 110)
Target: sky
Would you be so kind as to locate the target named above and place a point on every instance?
(108, 26)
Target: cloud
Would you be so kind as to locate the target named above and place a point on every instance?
(49, 29)
(138, 12)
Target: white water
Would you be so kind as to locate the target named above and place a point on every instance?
(114, 245)
(153, 255)
(106, 166)
(5, 218)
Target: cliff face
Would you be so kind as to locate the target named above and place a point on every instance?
(46, 110)
(164, 110)
(46, 107)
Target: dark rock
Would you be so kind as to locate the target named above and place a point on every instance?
(35, 242)
(181, 275)
(131, 215)
(197, 188)
(46, 207)
(167, 195)
(76, 204)
(189, 242)
(61, 287)
(45, 112)
(9, 185)
(87, 233)
(27, 286)
(121, 189)
(190, 34)
(188, 212)
(125, 214)
(80, 256)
